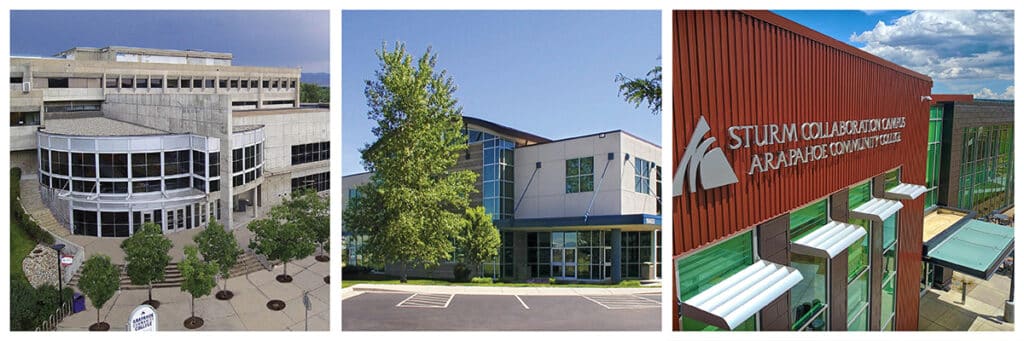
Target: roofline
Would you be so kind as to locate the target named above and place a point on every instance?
(804, 31)
(597, 134)
(172, 52)
(952, 98)
(354, 174)
(503, 129)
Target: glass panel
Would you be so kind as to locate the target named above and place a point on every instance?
(859, 194)
(707, 267)
(889, 230)
(688, 324)
(807, 219)
(809, 296)
(857, 295)
(858, 256)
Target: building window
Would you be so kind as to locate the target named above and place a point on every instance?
(60, 83)
(85, 223)
(642, 176)
(156, 83)
(889, 261)
(197, 83)
(237, 160)
(83, 165)
(208, 83)
(311, 152)
(199, 184)
(986, 169)
(223, 83)
(198, 163)
(60, 162)
(177, 183)
(579, 175)
(71, 106)
(111, 82)
(705, 268)
(214, 186)
(177, 162)
(266, 84)
(279, 102)
(127, 83)
(234, 84)
(857, 302)
(29, 118)
(115, 224)
(250, 157)
(83, 186)
(214, 164)
(808, 219)
(145, 165)
(172, 83)
(809, 298)
(142, 83)
(113, 165)
(109, 187)
(146, 186)
(44, 160)
(319, 182)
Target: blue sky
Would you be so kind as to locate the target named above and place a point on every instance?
(548, 73)
(965, 52)
(255, 38)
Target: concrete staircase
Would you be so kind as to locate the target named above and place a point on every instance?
(246, 264)
(33, 204)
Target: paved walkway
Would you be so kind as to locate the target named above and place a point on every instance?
(247, 311)
(983, 311)
(497, 290)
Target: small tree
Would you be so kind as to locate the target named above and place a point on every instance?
(310, 212)
(479, 240)
(642, 90)
(217, 244)
(146, 253)
(99, 281)
(280, 240)
(197, 279)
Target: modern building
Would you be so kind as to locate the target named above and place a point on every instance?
(799, 179)
(118, 136)
(584, 208)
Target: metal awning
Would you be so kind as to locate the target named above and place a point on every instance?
(829, 240)
(730, 302)
(976, 248)
(876, 209)
(905, 192)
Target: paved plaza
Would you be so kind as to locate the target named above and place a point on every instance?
(983, 310)
(247, 311)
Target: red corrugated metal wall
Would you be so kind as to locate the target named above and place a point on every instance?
(754, 68)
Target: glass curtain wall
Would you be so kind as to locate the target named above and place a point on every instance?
(859, 256)
(986, 169)
(710, 266)
(934, 157)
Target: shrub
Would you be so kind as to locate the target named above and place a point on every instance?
(482, 280)
(31, 306)
(17, 212)
(354, 270)
(462, 273)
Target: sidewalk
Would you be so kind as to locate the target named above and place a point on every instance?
(983, 311)
(497, 290)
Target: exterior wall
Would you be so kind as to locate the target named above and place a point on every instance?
(633, 202)
(967, 115)
(283, 130)
(475, 163)
(739, 68)
(546, 198)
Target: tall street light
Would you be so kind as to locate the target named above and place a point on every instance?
(60, 276)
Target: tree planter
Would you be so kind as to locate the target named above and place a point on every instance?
(323, 258)
(327, 279)
(275, 305)
(284, 278)
(99, 327)
(224, 295)
(193, 322)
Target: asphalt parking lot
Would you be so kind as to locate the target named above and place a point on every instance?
(377, 311)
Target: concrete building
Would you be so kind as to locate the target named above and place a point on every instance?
(583, 208)
(118, 136)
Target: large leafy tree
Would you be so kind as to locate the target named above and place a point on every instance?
(218, 244)
(310, 212)
(146, 253)
(479, 240)
(411, 209)
(280, 239)
(312, 93)
(640, 91)
(197, 279)
(99, 281)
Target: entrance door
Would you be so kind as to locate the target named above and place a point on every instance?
(563, 255)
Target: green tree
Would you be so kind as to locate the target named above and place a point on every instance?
(479, 240)
(219, 245)
(280, 240)
(99, 281)
(312, 93)
(412, 208)
(642, 90)
(197, 279)
(146, 253)
(310, 212)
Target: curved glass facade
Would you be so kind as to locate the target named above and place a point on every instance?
(109, 185)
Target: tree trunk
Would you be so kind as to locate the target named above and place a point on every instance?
(286, 268)
(405, 274)
(225, 283)
(98, 315)
(193, 307)
(150, 292)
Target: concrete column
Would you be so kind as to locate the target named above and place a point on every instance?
(259, 93)
(654, 254)
(298, 85)
(616, 255)
(519, 256)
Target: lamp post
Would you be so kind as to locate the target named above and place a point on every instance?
(60, 276)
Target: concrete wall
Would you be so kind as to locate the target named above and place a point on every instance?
(634, 202)
(286, 128)
(545, 197)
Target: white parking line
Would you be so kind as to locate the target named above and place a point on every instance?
(419, 300)
(521, 302)
(613, 302)
(645, 298)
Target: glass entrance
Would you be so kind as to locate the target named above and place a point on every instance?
(563, 255)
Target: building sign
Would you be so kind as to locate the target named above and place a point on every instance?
(828, 139)
(66, 260)
(142, 319)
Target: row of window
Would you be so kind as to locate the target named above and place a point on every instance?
(311, 152)
(318, 182)
(123, 224)
(143, 165)
(157, 82)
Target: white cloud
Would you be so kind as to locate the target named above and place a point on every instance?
(986, 93)
(947, 45)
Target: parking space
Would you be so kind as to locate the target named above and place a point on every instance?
(390, 311)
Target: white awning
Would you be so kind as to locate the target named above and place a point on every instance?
(876, 209)
(905, 192)
(737, 298)
(829, 240)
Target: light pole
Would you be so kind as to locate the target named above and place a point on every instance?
(60, 276)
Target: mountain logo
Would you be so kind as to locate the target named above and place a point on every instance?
(715, 170)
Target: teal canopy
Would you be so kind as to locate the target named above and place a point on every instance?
(976, 248)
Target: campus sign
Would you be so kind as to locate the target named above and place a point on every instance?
(829, 139)
(142, 319)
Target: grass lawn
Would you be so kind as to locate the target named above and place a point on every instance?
(21, 245)
(345, 283)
